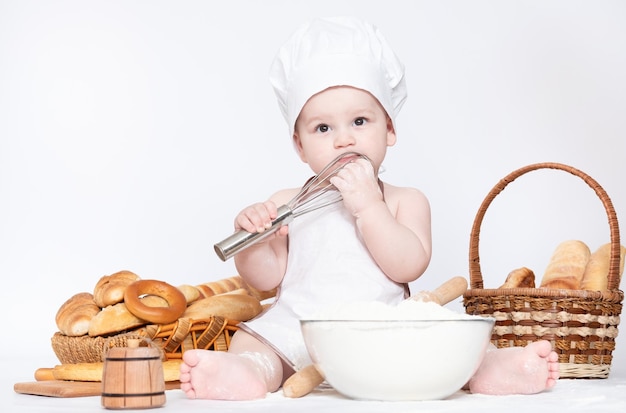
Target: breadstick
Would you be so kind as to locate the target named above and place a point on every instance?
(94, 371)
(567, 266)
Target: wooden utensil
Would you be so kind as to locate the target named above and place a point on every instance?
(305, 380)
(65, 388)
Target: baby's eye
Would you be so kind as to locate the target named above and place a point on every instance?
(323, 128)
(360, 121)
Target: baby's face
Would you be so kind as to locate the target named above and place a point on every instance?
(342, 119)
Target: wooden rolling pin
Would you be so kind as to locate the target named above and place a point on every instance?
(93, 371)
(307, 379)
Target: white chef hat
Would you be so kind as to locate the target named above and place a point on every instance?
(337, 51)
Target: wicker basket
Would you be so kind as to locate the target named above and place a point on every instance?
(173, 339)
(581, 325)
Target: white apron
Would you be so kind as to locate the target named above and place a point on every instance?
(328, 265)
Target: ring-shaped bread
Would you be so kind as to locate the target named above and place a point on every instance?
(158, 315)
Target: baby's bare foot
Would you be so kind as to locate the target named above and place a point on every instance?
(517, 370)
(220, 375)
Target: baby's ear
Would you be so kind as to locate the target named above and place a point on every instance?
(391, 133)
(297, 144)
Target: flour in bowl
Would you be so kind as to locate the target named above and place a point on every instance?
(405, 310)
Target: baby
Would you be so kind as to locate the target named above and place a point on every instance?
(340, 87)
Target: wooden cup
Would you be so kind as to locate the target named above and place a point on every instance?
(132, 378)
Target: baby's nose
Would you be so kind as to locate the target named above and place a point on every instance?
(344, 138)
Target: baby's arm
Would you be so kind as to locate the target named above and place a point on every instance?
(263, 264)
(395, 230)
(399, 239)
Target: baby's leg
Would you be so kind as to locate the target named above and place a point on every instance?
(517, 370)
(247, 371)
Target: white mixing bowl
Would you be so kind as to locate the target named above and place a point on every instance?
(397, 359)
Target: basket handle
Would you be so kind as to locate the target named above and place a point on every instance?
(476, 280)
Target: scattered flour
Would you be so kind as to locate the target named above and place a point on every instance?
(406, 310)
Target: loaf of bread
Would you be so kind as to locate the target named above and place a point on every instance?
(238, 307)
(75, 314)
(596, 273)
(230, 284)
(567, 266)
(220, 286)
(110, 289)
(117, 318)
(520, 278)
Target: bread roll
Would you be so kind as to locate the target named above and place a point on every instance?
(596, 273)
(520, 278)
(109, 289)
(190, 292)
(567, 266)
(117, 318)
(238, 307)
(75, 314)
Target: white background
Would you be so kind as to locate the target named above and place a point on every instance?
(132, 132)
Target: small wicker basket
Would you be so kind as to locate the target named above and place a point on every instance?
(173, 339)
(582, 325)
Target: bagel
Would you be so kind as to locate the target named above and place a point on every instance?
(177, 303)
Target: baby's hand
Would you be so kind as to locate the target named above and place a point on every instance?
(358, 185)
(258, 218)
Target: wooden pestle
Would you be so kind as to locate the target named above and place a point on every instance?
(308, 378)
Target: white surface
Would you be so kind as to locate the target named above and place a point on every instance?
(606, 395)
(131, 132)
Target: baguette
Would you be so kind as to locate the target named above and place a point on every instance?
(567, 266)
(596, 273)
(238, 307)
(220, 286)
(230, 284)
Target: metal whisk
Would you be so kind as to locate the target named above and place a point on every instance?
(317, 193)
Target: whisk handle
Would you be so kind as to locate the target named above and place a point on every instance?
(241, 240)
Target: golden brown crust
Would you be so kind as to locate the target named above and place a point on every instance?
(114, 319)
(75, 314)
(597, 271)
(567, 266)
(221, 286)
(190, 292)
(239, 307)
(110, 289)
(520, 278)
(157, 315)
(230, 284)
